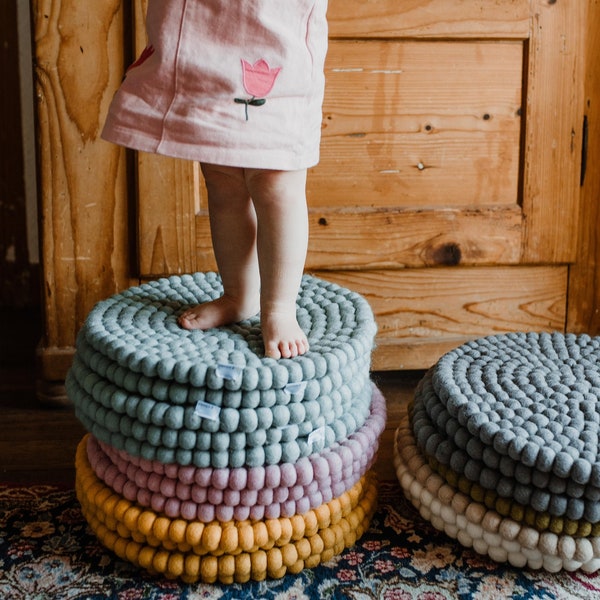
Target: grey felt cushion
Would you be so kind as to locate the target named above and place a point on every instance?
(519, 414)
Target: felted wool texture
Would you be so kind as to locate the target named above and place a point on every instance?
(309, 372)
(486, 455)
(226, 494)
(242, 478)
(453, 445)
(219, 449)
(138, 378)
(274, 563)
(541, 521)
(238, 551)
(507, 507)
(532, 397)
(307, 415)
(213, 538)
(209, 538)
(473, 525)
(499, 489)
(137, 329)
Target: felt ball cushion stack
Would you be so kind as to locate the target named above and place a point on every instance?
(506, 428)
(200, 428)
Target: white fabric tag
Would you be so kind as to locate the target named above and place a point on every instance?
(317, 437)
(207, 410)
(295, 388)
(229, 372)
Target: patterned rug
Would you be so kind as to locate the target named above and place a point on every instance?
(47, 552)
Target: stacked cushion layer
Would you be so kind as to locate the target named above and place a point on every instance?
(199, 428)
(226, 494)
(511, 422)
(236, 551)
(138, 379)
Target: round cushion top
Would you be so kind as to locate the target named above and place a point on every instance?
(137, 329)
(533, 398)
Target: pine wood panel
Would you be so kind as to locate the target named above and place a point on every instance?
(79, 63)
(394, 239)
(356, 238)
(584, 280)
(167, 239)
(389, 141)
(554, 119)
(429, 18)
(420, 124)
(422, 313)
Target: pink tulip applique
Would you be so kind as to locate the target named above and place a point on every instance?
(259, 80)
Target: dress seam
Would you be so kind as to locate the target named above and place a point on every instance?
(175, 77)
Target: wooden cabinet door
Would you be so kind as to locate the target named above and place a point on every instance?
(448, 187)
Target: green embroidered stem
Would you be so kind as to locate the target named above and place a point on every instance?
(251, 102)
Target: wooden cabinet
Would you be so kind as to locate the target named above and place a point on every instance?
(448, 191)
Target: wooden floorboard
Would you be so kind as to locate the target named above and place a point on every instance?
(37, 442)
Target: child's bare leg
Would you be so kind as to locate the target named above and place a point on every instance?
(233, 232)
(280, 202)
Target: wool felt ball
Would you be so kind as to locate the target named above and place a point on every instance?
(210, 448)
(473, 525)
(242, 567)
(360, 446)
(534, 397)
(210, 398)
(527, 504)
(225, 464)
(115, 506)
(509, 507)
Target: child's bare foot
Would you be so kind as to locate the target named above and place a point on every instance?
(222, 311)
(282, 336)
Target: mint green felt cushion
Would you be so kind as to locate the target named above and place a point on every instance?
(143, 384)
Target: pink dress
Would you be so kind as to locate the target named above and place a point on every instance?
(229, 82)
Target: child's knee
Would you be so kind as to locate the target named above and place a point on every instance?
(269, 183)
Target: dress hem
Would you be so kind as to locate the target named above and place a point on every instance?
(273, 159)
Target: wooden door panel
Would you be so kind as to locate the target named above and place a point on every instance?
(506, 19)
(82, 185)
(167, 234)
(420, 124)
(554, 125)
(395, 239)
(424, 312)
(378, 153)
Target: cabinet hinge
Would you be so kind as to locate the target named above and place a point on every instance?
(584, 148)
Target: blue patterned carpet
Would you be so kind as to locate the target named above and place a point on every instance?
(47, 552)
